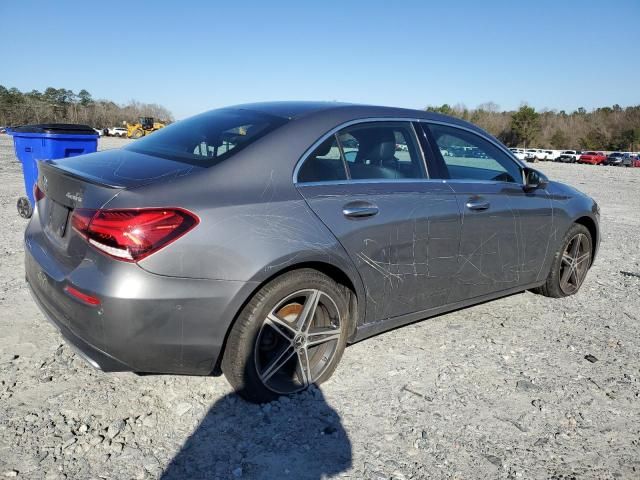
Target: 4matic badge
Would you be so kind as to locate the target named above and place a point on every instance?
(76, 197)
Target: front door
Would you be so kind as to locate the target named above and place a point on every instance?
(505, 231)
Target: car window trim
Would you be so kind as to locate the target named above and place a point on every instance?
(505, 150)
(347, 172)
(335, 130)
(435, 161)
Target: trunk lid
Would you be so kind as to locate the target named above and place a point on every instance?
(122, 168)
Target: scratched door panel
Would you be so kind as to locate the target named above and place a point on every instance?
(407, 253)
(504, 245)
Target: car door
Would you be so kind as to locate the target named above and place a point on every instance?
(368, 183)
(506, 231)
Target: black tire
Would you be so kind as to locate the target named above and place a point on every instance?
(137, 134)
(25, 210)
(258, 341)
(556, 286)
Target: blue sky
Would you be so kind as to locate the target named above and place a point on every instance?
(192, 56)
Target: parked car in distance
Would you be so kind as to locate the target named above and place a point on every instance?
(629, 160)
(531, 154)
(99, 131)
(549, 155)
(117, 132)
(519, 153)
(569, 156)
(593, 158)
(614, 159)
(248, 241)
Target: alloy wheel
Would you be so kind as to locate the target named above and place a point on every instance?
(576, 260)
(24, 207)
(297, 341)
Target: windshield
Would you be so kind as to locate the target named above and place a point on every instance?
(208, 138)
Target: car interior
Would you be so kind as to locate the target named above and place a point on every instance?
(376, 155)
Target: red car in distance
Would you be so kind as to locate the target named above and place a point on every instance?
(594, 158)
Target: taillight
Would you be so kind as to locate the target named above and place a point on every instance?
(37, 193)
(83, 297)
(132, 234)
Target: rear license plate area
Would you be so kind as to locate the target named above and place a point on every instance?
(57, 218)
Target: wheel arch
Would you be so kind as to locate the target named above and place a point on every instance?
(590, 224)
(353, 287)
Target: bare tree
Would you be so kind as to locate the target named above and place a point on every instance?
(63, 105)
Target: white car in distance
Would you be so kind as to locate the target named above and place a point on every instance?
(519, 153)
(117, 132)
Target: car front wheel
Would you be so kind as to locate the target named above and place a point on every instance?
(290, 335)
(570, 264)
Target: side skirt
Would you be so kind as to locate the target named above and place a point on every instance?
(370, 329)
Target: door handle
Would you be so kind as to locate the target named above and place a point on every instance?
(477, 204)
(359, 209)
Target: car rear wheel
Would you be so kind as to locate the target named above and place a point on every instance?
(24, 207)
(570, 264)
(290, 335)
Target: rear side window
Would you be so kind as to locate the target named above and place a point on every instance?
(367, 151)
(470, 157)
(324, 164)
(381, 151)
(209, 138)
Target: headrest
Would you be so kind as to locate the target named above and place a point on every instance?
(381, 152)
(381, 146)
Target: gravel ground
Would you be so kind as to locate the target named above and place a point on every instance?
(522, 387)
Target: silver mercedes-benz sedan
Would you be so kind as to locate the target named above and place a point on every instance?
(259, 240)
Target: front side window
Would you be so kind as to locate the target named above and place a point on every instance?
(381, 151)
(209, 138)
(470, 157)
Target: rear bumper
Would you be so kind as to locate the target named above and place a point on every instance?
(145, 322)
(92, 355)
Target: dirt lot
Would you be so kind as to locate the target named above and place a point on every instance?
(501, 390)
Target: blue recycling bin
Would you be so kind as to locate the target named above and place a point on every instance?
(44, 142)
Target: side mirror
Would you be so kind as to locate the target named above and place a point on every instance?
(533, 179)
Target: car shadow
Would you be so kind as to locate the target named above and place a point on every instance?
(298, 437)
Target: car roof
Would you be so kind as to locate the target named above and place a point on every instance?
(298, 109)
(288, 109)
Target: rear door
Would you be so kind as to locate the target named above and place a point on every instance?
(506, 231)
(368, 183)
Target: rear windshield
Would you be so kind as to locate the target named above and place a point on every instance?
(209, 138)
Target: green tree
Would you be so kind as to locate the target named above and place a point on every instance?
(525, 124)
(594, 140)
(559, 139)
(444, 109)
(84, 97)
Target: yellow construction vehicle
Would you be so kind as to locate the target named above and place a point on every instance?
(145, 126)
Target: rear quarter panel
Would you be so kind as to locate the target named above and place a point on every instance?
(253, 225)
